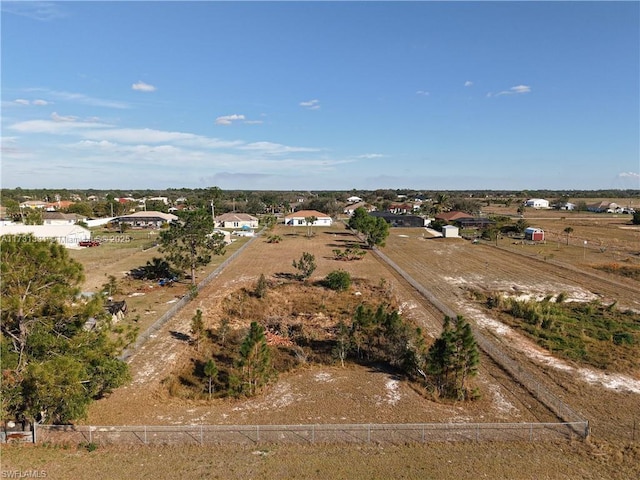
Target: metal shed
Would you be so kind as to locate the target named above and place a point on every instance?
(534, 234)
(449, 231)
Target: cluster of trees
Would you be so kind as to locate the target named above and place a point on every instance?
(374, 229)
(383, 336)
(52, 367)
(249, 370)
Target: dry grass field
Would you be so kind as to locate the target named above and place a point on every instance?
(357, 394)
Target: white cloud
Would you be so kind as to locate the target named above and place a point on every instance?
(54, 127)
(43, 11)
(229, 119)
(137, 135)
(521, 89)
(143, 87)
(311, 104)
(629, 175)
(370, 155)
(60, 118)
(513, 90)
(518, 89)
(82, 98)
(23, 101)
(468, 83)
(270, 148)
(423, 93)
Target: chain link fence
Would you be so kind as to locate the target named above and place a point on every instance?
(306, 434)
(515, 369)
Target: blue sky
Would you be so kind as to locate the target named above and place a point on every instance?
(321, 95)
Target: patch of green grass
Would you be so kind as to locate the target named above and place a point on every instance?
(592, 333)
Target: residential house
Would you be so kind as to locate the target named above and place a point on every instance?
(147, 219)
(298, 218)
(349, 209)
(33, 204)
(59, 218)
(402, 208)
(236, 220)
(396, 220)
(59, 205)
(453, 216)
(354, 199)
(604, 206)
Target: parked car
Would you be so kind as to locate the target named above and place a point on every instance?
(89, 243)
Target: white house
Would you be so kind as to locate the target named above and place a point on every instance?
(349, 209)
(236, 220)
(298, 218)
(59, 218)
(354, 199)
(537, 203)
(67, 235)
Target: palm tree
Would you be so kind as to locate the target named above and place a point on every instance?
(568, 231)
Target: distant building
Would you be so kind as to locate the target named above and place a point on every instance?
(236, 220)
(147, 219)
(450, 231)
(68, 235)
(452, 216)
(349, 209)
(537, 203)
(298, 218)
(534, 234)
(396, 220)
(59, 218)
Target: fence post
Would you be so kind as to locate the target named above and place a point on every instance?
(145, 434)
(90, 437)
(369, 433)
(33, 434)
(313, 433)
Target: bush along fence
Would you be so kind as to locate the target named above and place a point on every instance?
(513, 368)
(305, 434)
(180, 304)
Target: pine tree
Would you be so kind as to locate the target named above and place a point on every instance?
(197, 327)
(211, 371)
(255, 360)
(453, 358)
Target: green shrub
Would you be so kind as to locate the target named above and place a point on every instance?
(338, 280)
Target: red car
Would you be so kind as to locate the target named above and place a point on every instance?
(89, 243)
